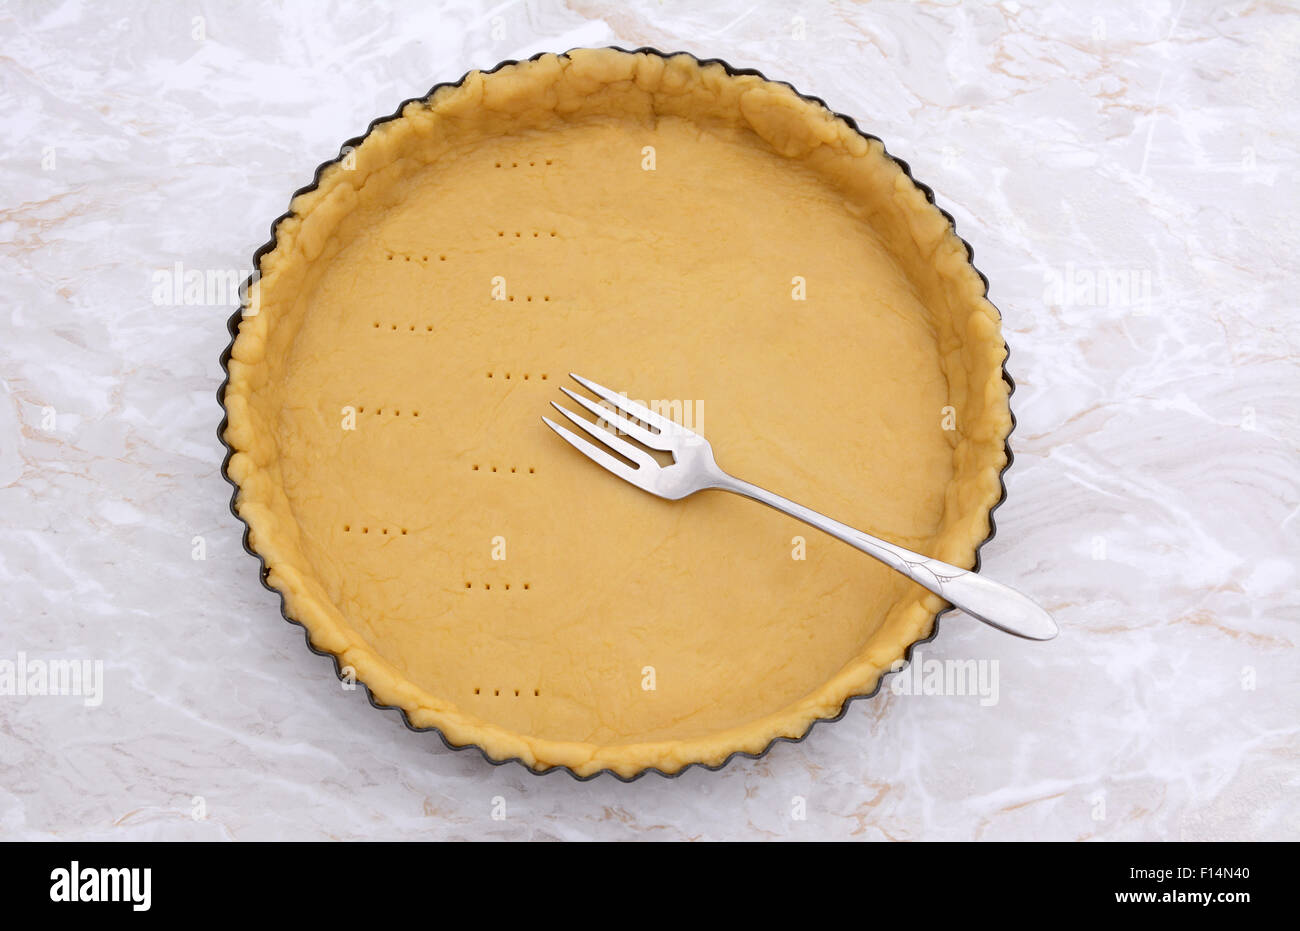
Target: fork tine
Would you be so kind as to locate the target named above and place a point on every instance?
(639, 411)
(620, 446)
(591, 451)
(616, 419)
(607, 437)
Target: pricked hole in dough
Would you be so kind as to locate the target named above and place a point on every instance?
(501, 233)
(543, 376)
(496, 693)
(347, 528)
(476, 690)
(442, 258)
(537, 693)
(516, 693)
(526, 586)
(518, 234)
(552, 234)
(475, 468)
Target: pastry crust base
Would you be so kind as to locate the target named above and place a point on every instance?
(384, 409)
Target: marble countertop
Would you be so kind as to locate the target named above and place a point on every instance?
(1128, 176)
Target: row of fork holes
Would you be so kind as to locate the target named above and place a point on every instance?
(508, 375)
(501, 234)
(380, 531)
(496, 693)
(428, 327)
(379, 410)
(513, 470)
(531, 164)
(487, 586)
(423, 258)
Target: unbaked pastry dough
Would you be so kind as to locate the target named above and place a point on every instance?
(669, 230)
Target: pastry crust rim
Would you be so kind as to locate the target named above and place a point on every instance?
(657, 749)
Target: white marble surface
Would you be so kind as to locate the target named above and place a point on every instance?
(1150, 148)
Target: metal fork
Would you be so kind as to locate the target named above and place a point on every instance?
(694, 469)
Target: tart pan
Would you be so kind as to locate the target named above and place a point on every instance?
(233, 327)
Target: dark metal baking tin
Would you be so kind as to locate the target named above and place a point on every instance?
(233, 326)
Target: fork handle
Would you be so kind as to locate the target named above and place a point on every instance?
(993, 603)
